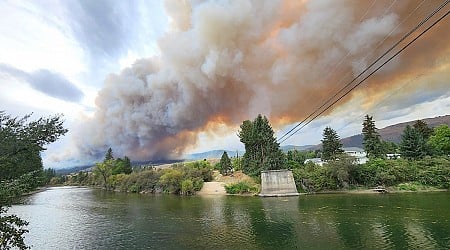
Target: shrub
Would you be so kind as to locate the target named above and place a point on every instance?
(241, 188)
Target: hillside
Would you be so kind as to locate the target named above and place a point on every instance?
(393, 133)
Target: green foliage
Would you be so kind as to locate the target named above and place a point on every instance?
(225, 164)
(412, 145)
(411, 186)
(21, 170)
(236, 163)
(103, 170)
(343, 173)
(371, 139)
(241, 188)
(312, 178)
(111, 166)
(12, 229)
(342, 170)
(122, 166)
(440, 140)
(422, 128)
(22, 142)
(170, 181)
(187, 187)
(331, 145)
(389, 147)
(262, 152)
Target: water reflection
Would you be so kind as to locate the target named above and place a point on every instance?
(81, 218)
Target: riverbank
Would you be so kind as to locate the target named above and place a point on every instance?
(371, 191)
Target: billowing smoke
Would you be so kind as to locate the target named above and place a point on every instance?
(226, 61)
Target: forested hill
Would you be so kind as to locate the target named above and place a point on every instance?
(393, 133)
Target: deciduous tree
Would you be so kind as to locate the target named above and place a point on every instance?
(440, 140)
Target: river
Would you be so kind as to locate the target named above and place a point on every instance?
(83, 218)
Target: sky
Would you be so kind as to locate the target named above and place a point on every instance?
(160, 79)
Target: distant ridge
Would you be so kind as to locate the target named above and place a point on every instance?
(390, 133)
(213, 154)
(393, 133)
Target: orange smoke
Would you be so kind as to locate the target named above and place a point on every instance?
(226, 62)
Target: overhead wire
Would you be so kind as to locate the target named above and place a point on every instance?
(296, 128)
(365, 78)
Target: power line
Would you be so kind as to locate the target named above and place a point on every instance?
(294, 130)
(348, 53)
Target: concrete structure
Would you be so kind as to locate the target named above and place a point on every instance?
(277, 183)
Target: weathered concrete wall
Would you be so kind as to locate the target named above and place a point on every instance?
(277, 183)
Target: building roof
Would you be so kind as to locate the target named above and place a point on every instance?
(353, 149)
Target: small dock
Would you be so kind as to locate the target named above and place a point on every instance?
(379, 189)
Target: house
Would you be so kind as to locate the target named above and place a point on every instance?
(358, 153)
(317, 161)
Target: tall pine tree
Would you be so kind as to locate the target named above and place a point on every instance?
(262, 152)
(371, 139)
(331, 145)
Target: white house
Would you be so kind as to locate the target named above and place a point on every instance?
(358, 153)
(316, 161)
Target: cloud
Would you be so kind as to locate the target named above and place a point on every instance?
(235, 59)
(47, 82)
(107, 30)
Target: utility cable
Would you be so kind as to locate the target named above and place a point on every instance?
(379, 67)
(293, 130)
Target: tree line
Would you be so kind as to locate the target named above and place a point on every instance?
(424, 157)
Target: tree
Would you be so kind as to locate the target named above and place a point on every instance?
(412, 145)
(331, 145)
(262, 152)
(371, 139)
(422, 127)
(440, 140)
(103, 170)
(21, 143)
(21, 170)
(121, 166)
(225, 164)
(108, 155)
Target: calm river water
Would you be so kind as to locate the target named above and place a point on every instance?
(82, 218)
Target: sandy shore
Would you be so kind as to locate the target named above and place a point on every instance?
(212, 188)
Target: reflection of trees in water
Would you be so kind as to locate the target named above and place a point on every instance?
(272, 222)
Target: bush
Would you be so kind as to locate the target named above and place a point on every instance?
(241, 188)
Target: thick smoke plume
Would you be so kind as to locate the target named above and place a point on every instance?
(226, 61)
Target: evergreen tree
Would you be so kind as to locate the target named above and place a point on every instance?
(371, 139)
(331, 145)
(412, 145)
(127, 169)
(225, 164)
(262, 152)
(108, 155)
(422, 127)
